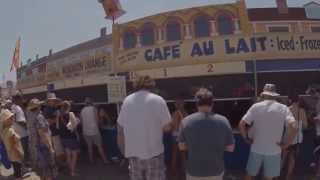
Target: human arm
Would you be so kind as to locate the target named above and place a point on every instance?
(164, 115)
(292, 128)
(247, 119)
(96, 116)
(46, 138)
(15, 143)
(73, 121)
(243, 130)
(230, 148)
(182, 140)
(183, 146)
(81, 116)
(20, 118)
(120, 139)
(304, 118)
(121, 121)
(44, 132)
(229, 139)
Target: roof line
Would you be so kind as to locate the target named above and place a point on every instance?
(316, 2)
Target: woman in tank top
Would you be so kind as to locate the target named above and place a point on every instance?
(67, 131)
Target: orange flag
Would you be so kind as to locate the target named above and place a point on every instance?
(15, 63)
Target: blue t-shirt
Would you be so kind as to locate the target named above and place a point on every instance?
(206, 136)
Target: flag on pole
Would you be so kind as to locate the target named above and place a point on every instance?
(112, 8)
(15, 63)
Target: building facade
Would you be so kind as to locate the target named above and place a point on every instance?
(70, 72)
(228, 48)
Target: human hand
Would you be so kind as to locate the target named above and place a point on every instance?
(52, 151)
(283, 145)
(248, 141)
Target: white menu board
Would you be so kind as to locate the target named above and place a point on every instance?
(116, 89)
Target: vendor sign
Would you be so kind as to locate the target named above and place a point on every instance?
(264, 46)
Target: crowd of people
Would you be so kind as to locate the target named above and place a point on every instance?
(273, 130)
(44, 136)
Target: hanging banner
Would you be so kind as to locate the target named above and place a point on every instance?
(264, 46)
(93, 62)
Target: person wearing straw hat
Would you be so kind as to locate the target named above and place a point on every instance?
(52, 113)
(44, 162)
(268, 119)
(52, 99)
(31, 116)
(12, 142)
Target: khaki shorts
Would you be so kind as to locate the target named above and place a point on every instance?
(205, 178)
(57, 146)
(93, 140)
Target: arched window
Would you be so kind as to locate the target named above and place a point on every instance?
(225, 25)
(202, 26)
(129, 40)
(173, 31)
(147, 35)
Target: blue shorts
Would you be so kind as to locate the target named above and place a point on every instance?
(271, 165)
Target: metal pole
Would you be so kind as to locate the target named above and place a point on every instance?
(255, 78)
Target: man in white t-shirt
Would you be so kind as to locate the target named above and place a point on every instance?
(268, 119)
(141, 122)
(19, 124)
(90, 129)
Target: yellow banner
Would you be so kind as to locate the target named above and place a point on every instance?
(262, 46)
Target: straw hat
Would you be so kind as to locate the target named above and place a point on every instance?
(53, 98)
(34, 103)
(5, 115)
(270, 90)
(8, 101)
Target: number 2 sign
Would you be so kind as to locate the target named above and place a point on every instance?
(210, 68)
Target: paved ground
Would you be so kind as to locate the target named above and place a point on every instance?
(99, 171)
(96, 171)
(103, 172)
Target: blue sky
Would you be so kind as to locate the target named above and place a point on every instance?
(58, 24)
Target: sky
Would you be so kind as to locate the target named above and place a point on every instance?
(58, 24)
